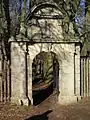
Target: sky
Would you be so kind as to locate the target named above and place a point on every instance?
(15, 5)
(80, 16)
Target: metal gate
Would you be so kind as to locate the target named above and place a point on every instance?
(5, 76)
(85, 76)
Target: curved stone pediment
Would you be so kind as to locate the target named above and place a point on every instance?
(37, 2)
(44, 7)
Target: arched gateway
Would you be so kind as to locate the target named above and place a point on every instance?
(44, 34)
(45, 76)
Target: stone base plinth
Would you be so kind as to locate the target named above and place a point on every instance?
(23, 101)
(64, 100)
(26, 101)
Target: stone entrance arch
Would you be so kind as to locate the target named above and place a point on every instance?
(45, 33)
(45, 76)
(35, 49)
(65, 56)
(22, 55)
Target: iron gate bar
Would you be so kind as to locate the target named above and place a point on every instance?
(84, 77)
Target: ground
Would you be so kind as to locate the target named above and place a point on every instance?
(47, 110)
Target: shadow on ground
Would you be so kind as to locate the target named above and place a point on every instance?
(43, 116)
(40, 95)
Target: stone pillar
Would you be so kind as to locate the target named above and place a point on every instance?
(18, 73)
(84, 86)
(66, 75)
(69, 75)
(77, 71)
(30, 79)
(89, 77)
(82, 78)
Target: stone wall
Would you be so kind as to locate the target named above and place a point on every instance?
(69, 70)
(18, 71)
(45, 32)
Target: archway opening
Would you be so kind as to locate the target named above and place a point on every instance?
(45, 76)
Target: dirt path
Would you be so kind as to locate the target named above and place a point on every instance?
(48, 110)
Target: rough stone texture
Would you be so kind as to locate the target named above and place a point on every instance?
(65, 57)
(23, 53)
(45, 29)
(18, 71)
(77, 70)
